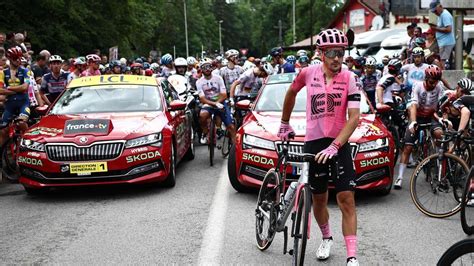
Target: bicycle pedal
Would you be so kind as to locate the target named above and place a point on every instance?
(290, 252)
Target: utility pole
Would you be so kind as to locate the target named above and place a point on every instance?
(280, 33)
(220, 38)
(186, 28)
(311, 25)
(294, 22)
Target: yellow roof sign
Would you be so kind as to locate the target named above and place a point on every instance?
(112, 80)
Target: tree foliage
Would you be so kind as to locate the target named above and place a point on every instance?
(73, 27)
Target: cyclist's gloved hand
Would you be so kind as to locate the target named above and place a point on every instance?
(285, 130)
(446, 123)
(219, 105)
(412, 126)
(327, 153)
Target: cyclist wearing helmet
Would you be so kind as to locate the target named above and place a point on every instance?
(167, 63)
(289, 65)
(416, 70)
(137, 69)
(370, 79)
(332, 93)
(212, 94)
(249, 81)
(450, 105)
(93, 61)
(303, 61)
(359, 64)
(180, 66)
(191, 71)
(116, 67)
(55, 82)
(217, 65)
(423, 109)
(232, 71)
(388, 85)
(78, 66)
(349, 60)
(277, 59)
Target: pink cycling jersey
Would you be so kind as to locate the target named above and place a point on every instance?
(87, 73)
(327, 104)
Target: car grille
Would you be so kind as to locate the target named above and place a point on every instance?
(71, 152)
(293, 147)
(354, 150)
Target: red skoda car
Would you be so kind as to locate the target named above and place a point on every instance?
(255, 151)
(108, 130)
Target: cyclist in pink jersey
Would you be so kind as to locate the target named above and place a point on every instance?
(93, 61)
(332, 93)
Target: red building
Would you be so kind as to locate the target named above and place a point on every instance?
(357, 15)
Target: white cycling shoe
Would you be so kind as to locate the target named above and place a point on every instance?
(398, 183)
(203, 140)
(324, 249)
(352, 262)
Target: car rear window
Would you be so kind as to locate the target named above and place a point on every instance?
(111, 98)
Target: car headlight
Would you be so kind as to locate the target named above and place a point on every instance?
(31, 145)
(152, 139)
(373, 145)
(255, 142)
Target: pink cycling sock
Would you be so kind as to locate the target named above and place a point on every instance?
(325, 230)
(351, 245)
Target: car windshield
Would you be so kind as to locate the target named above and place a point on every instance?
(273, 95)
(112, 98)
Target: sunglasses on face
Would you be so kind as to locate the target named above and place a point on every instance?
(333, 53)
(431, 81)
(206, 67)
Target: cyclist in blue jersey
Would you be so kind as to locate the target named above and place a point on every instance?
(55, 82)
(16, 81)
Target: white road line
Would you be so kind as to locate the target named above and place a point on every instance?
(213, 239)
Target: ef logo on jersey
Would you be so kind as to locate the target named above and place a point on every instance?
(324, 104)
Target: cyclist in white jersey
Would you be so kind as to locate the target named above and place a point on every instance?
(416, 70)
(232, 71)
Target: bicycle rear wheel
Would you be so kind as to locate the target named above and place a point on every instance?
(212, 139)
(467, 205)
(432, 197)
(10, 169)
(266, 212)
(301, 228)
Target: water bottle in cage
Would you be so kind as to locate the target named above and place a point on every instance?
(290, 192)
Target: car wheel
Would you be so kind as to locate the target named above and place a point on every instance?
(190, 152)
(386, 190)
(170, 181)
(232, 172)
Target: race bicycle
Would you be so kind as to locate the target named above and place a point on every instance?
(461, 253)
(10, 150)
(276, 203)
(437, 183)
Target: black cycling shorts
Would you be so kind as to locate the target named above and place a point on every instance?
(319, 173)
(410, 138)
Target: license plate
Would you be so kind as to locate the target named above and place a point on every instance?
(87, 168)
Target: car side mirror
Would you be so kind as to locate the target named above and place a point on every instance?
(243, 104)
(177, 105)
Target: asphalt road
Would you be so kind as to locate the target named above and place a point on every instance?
(200, 221)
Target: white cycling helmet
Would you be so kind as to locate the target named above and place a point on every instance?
(55, 58)
(155, 66)
(191, 61)
(230, 53)
(370, 61)
(180, 62)
(301, 53)
(466, 85)
(123, 61)
(205, 61)
(267, 67)
(316, 62)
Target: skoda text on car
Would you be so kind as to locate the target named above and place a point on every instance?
(107, 130)
(257, 144)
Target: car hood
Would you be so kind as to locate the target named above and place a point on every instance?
(52, 128)
(369, 128)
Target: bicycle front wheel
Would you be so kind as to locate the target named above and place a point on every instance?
(461, 253)
(301, 225)
(266, 212)
(436, 185)
(467, 205)
(10, 169)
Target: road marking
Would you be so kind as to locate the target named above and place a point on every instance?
(213, 239)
